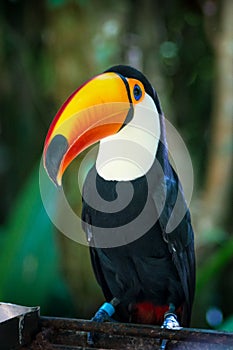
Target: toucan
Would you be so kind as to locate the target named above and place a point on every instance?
(134, 214)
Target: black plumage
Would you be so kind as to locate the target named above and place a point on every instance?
(157, 267)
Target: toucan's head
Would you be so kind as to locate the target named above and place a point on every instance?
(101, 107)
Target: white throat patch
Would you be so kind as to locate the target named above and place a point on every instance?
(130, 153)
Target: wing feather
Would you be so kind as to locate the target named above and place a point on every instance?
(176, 228)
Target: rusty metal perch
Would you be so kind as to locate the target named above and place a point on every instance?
(48, 333)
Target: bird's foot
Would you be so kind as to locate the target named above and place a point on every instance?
(102, 315)
(170, 322)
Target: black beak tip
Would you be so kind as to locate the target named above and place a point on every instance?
(54, 155)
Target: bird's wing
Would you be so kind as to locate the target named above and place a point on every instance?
(94, 252)
(95, 260)
(177, 231)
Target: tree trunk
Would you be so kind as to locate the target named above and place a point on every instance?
(216, 199)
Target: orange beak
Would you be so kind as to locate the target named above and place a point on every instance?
(97, 109)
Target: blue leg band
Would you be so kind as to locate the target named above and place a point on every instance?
(108, 308)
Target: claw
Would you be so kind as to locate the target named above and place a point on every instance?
(170, 322)
(102, 315)
(163, 344)
(90, 340)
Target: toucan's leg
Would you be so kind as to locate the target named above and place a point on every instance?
(170, 319)
(102, 315)
(170, 322)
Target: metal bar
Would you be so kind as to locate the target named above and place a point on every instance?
(132, 330)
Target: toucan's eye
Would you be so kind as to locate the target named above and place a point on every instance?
(137, 92)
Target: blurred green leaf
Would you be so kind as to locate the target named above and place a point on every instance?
(29, 260)
(168, 49)
(215, 235)
(227, 325)
(214, 264)
(56, 3)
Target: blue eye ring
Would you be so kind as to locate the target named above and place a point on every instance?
(137, 92)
